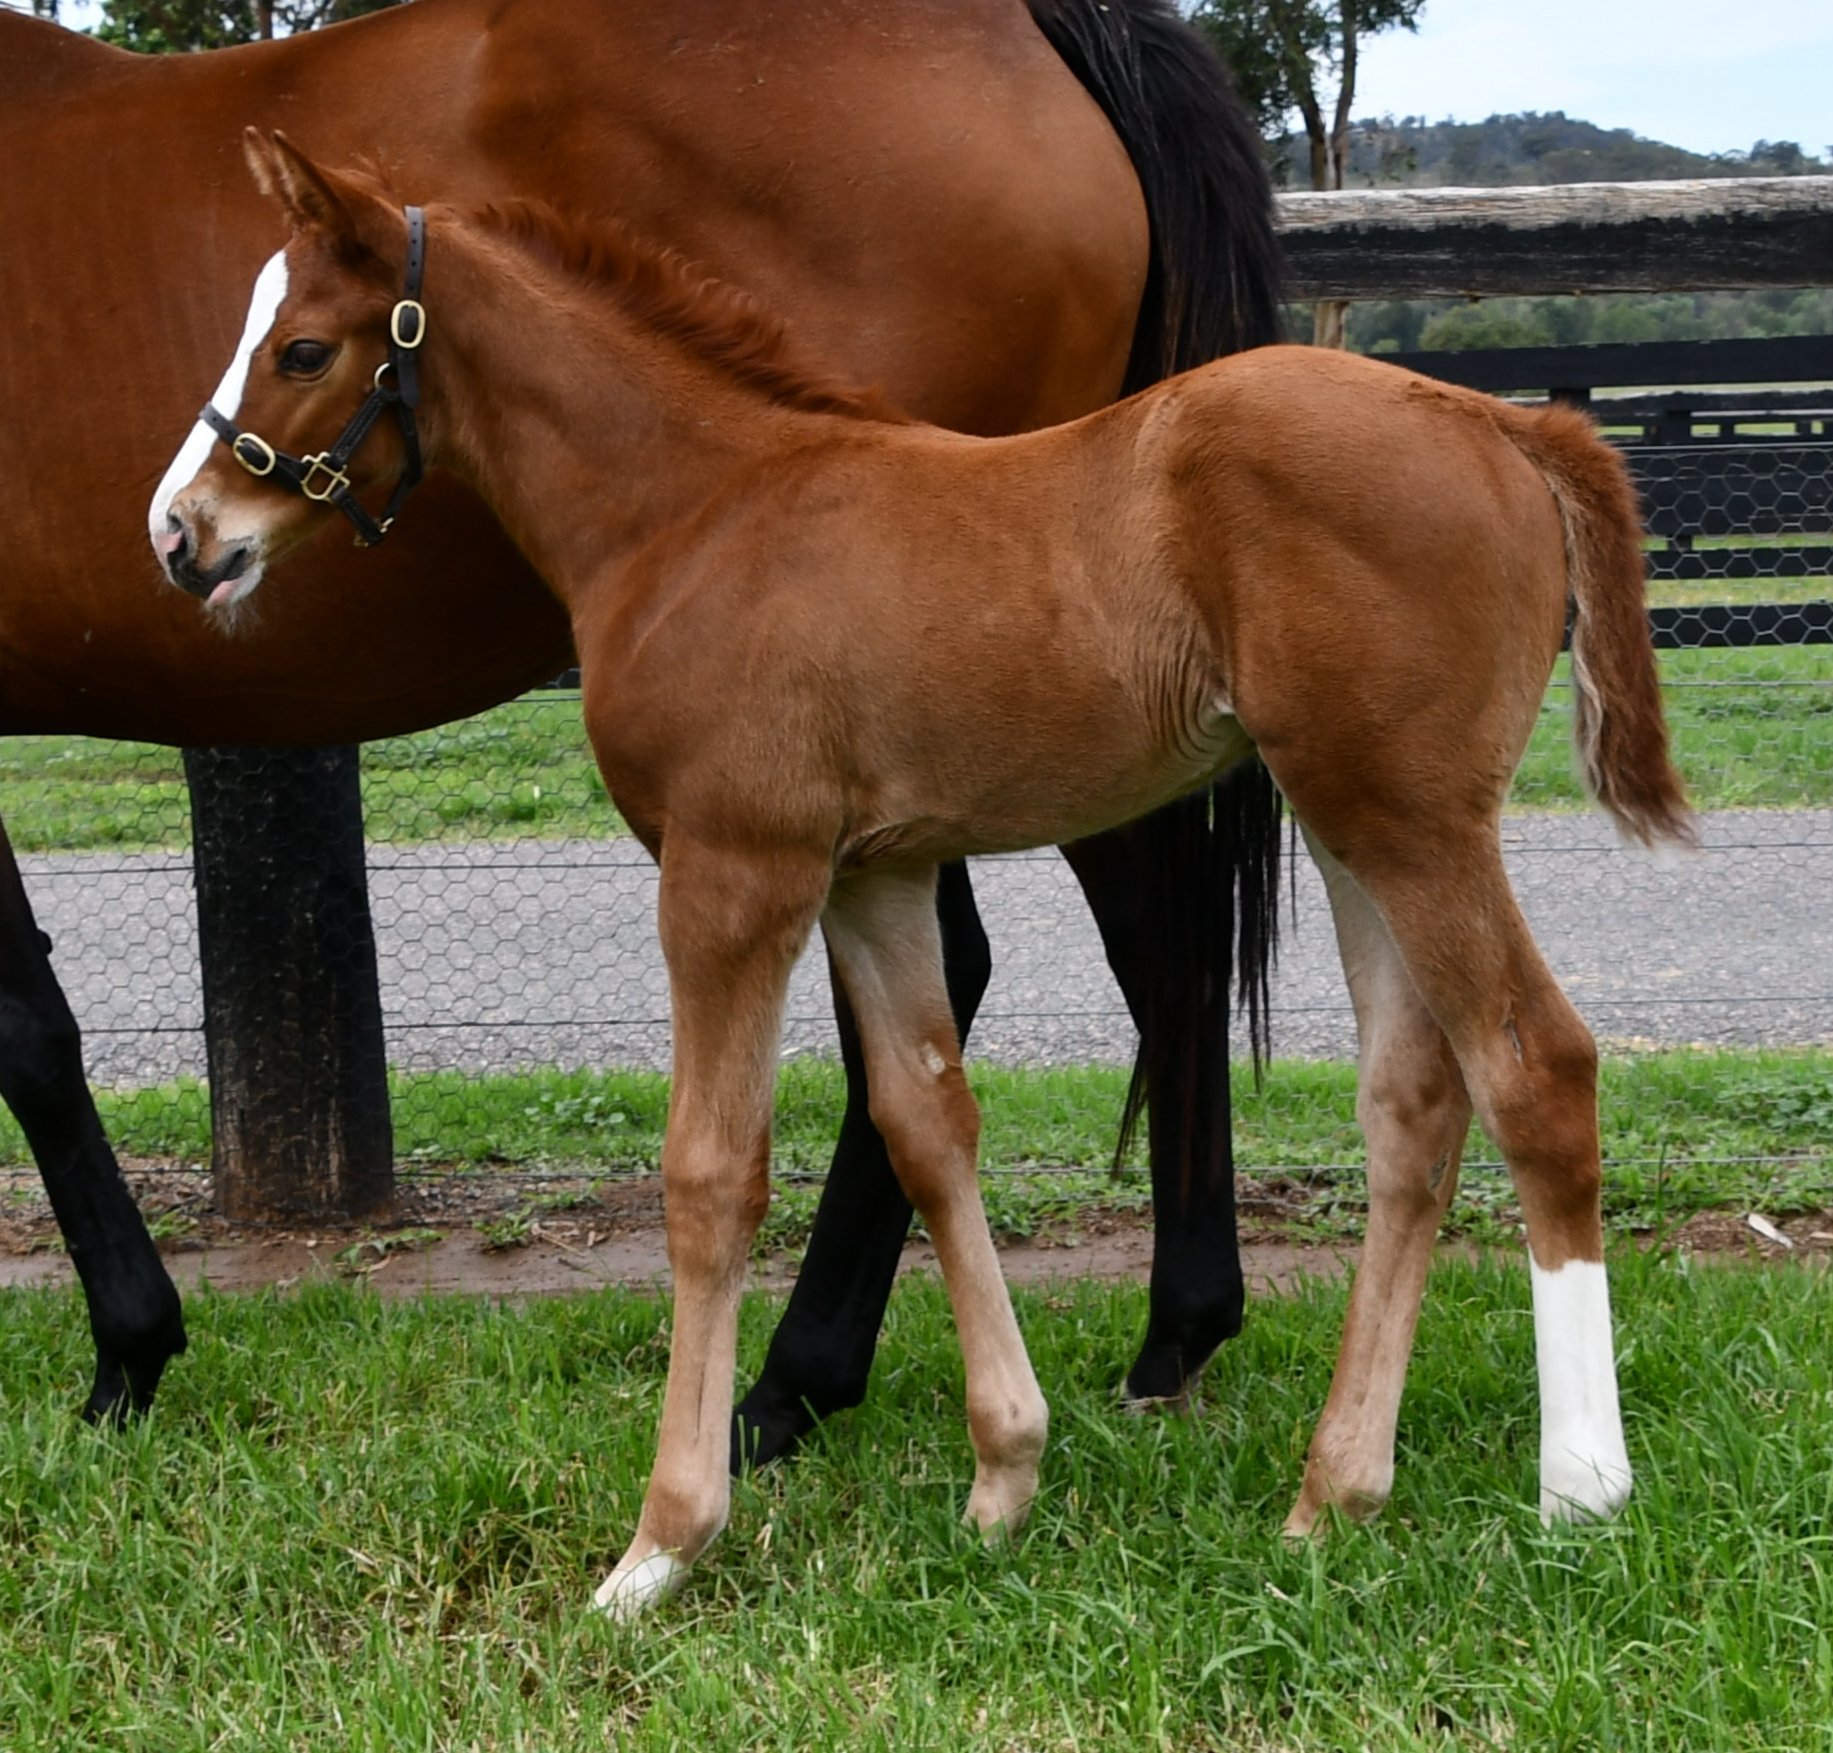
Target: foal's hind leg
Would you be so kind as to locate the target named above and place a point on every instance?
(1414, 1111)
(134, 1314)
(732, 926)
(881, 931)
(1530, 1066)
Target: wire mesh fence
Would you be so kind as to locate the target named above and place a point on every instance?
(526, 1005)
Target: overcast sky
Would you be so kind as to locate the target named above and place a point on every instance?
(1695, 73)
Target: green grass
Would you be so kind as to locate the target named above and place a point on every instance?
(1683, 1131)
(1804, 588)
(1752, 728)
(359, 1525)
(519, 771)
(522, 771)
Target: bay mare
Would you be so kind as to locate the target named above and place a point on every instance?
(825, 648)
(932, 194)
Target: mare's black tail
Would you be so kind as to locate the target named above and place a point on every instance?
(1213, 288)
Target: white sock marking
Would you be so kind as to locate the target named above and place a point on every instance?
(263, 307)
(627, 1594)
(1584, 1465)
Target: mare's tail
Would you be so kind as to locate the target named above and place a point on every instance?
(1212, 288)
(1618, 723)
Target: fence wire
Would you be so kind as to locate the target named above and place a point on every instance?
(526, 1003)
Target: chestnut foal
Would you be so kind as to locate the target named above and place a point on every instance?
(825, 648)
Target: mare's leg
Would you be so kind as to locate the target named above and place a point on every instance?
(881, 930)
(821, 1352)
(732, 925)
(1411, 1101)
(134, 1313)
(1434, 872)
(1137, 880)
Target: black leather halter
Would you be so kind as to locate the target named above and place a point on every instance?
(325, 477)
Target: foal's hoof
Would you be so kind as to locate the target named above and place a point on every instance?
(1576, 1488)
(632, 1590)
(999, 1510)
(1310, 1519)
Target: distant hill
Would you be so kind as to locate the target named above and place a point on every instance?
(1554, 148)
(1549, 148)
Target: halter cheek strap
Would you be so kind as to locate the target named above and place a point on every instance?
(325, 478)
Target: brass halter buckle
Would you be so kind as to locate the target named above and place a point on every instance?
(322, 479)
(254, 453)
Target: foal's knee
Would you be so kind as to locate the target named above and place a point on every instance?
(715, 1195)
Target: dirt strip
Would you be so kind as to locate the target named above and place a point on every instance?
(465, 1264)
(464, 1237)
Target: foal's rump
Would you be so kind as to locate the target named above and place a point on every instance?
(1384, 563)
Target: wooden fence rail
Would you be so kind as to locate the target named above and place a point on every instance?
(1703, 236)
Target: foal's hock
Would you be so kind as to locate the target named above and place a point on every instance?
(824, 649)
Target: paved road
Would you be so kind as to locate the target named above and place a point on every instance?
(543, 954)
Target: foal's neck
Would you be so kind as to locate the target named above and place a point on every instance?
(587, 434)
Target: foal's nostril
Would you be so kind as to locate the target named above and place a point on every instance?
(175, 544)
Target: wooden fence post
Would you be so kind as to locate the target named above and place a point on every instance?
(292, 1007)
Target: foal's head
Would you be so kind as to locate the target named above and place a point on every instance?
(327, 327)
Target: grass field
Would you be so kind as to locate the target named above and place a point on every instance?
(1683, 1131)
(1752, 729)
(360, 1525)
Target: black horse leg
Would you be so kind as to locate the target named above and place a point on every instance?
(821, 1352)
(1160, 936)
(134, 1312)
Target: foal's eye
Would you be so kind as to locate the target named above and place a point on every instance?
(305, 358)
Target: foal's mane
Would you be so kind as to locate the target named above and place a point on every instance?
(658, 286)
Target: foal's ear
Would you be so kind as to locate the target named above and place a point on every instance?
(312, 198)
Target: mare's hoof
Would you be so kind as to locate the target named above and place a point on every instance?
(769, 1425)
(1165, 1377)
(1174, 1355)
(122, 1390)
(1141, 1405)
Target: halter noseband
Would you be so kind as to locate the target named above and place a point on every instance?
(325, 477)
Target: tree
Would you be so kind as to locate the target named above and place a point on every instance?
(1284, 53)
(158, 27)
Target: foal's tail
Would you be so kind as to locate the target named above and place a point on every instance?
(1619, 726)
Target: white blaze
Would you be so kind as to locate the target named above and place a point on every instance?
(263, 307)
(1584, 1465)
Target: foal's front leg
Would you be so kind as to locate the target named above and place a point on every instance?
(732, 925)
